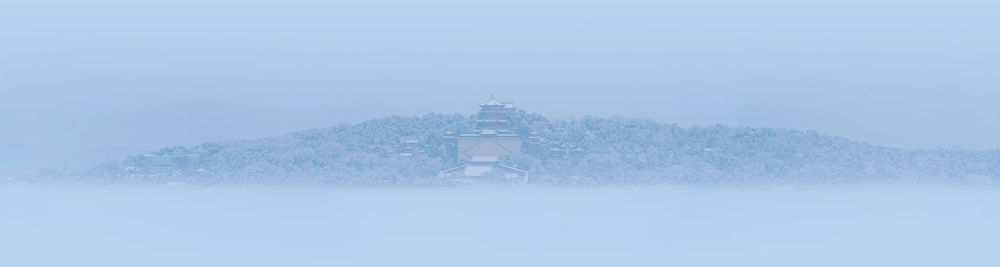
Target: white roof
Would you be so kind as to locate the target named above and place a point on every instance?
(477, 170)
(484, 159)
(493, 102)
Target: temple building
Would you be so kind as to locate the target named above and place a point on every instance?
(482, 151)
(408, 148)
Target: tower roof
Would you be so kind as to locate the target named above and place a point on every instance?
(492, 102)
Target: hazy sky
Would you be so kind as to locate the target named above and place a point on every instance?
(92, 79)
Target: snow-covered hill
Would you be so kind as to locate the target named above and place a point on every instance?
(618, 151)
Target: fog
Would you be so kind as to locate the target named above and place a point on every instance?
(482, 226)
(83, 83)
(292, 133)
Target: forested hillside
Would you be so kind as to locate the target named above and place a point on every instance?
(618, 151)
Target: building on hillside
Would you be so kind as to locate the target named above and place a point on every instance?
(481, 152)
(481, 167)
(409, 148)
(564, 156)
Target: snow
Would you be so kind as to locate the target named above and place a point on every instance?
(614, 151)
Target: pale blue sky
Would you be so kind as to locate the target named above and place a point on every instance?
(88, 80)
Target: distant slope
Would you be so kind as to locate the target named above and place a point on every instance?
(618, 151)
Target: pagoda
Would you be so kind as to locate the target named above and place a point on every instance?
(482, 151)
(494, 116)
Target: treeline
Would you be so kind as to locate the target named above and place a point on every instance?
(618, 151)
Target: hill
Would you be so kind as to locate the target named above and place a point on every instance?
(618, 151)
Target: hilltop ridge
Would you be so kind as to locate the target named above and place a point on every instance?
(619, 151)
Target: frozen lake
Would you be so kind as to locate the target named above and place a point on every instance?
(467, 226)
